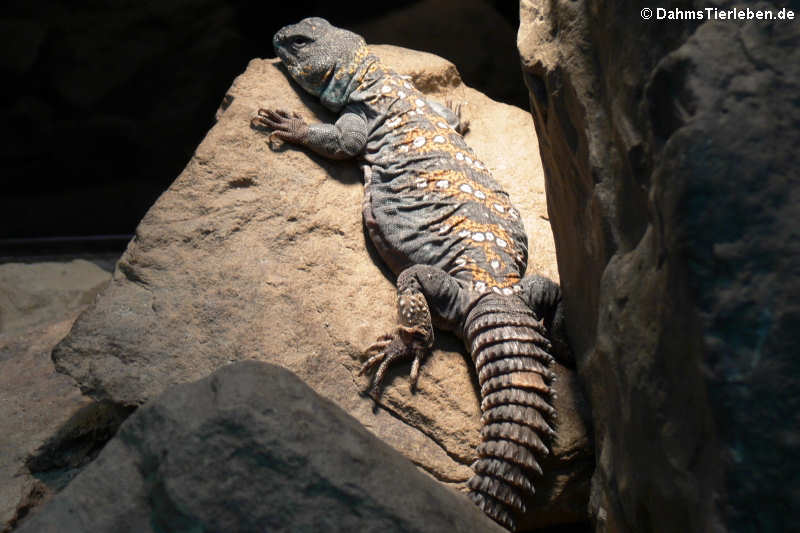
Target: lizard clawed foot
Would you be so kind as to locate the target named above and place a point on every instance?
(286, 126)
(405, 343)
(463, 124)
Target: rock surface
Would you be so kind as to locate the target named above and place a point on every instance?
(41, 293)
(251, 448)
(49, 429)
(258, 252)
(669, 150)
(34, 402)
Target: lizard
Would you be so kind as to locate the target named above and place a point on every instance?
(449, 232)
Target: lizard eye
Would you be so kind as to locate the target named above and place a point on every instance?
(299, 41)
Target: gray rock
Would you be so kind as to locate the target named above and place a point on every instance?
(251, 448)
(669, 149)
(258, 252)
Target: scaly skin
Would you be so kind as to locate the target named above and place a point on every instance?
(450, 233)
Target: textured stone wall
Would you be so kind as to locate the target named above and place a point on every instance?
(669, 150)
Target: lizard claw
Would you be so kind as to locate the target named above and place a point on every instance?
(405, 343)
(286, 126)
(463, 124)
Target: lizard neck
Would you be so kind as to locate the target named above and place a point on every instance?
(346, 78)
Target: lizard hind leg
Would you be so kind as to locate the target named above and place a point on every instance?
(412, 339)
(421, 290)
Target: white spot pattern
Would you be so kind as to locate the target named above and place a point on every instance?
(386, 89)
(466, 188)
(499, 208)
(443, 184)
(419, 141)
(478, 237)
(479, 194)
(438, 139)
(501, 243)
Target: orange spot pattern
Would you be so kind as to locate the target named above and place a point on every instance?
(358, 58)
(418, 129)
(461, 187)
(459, 223)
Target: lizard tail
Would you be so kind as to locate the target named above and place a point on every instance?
(512, 359)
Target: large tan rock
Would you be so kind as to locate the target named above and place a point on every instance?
(258, 252)
(669, 150)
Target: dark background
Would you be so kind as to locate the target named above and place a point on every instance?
(104, 102)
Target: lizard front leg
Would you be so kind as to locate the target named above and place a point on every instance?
(342, 140)
(421, 291)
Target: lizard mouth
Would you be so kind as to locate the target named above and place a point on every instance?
(284, 56)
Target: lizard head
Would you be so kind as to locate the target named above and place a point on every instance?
(325, 60)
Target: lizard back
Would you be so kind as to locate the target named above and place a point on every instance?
(430, 200)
